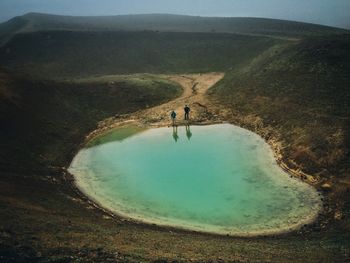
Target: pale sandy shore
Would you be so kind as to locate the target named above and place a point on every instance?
(203, 112)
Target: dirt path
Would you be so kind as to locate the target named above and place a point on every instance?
(203, 111)
(195, 87)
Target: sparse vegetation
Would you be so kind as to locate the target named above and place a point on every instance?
(301, 92)
(44, 120)
(285, 80)
(34, 22)
(82, 54)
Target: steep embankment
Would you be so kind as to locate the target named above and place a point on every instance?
(303, 90)
(299, 96)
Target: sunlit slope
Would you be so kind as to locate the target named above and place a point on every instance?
(302, 92)
(63, 54)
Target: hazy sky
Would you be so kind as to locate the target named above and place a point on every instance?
(328, 12)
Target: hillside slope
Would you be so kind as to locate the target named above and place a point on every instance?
(34, 22)
(43, 219)
(63, 54)
(295, 92)
(298, 97)
(302, 93)
(42, 121)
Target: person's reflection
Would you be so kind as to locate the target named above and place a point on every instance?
(188, 132)
(175, 136)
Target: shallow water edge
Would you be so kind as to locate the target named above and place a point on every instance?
(178, 224)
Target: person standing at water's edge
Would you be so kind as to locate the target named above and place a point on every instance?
(187, 112)
(173, 117)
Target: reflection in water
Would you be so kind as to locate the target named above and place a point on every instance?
(199, 184)
(188, 132)
(175, 136)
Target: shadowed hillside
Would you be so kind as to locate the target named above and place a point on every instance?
(42, 121)
(76, 54)
(33, 22)
(300, 95)
(53, 46)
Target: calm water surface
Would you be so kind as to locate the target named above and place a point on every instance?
(218, 178)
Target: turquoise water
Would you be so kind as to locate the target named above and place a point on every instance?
(218, 178)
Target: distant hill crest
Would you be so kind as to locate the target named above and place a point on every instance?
(33, 22)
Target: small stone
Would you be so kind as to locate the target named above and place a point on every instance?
(326, 186)
(338, 215)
